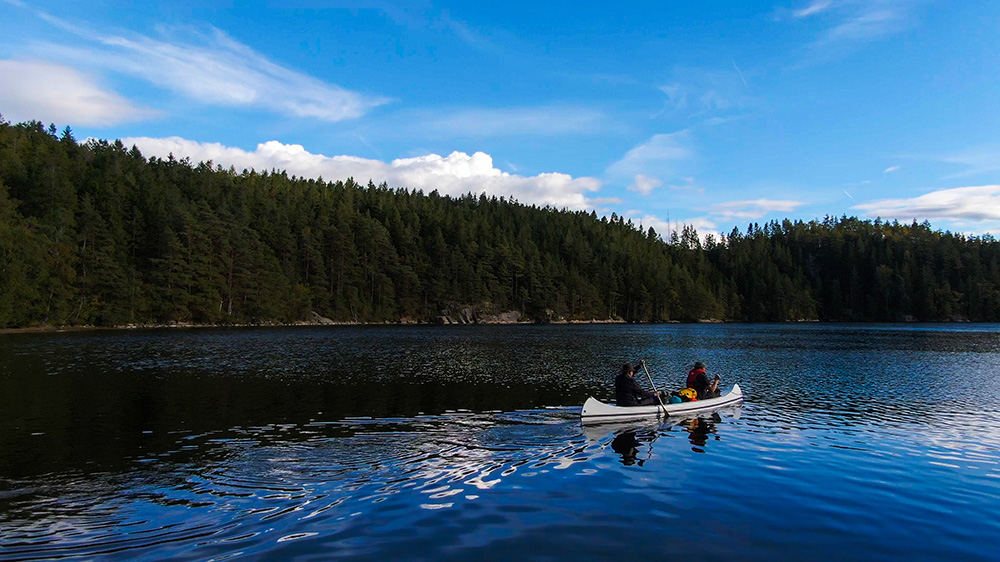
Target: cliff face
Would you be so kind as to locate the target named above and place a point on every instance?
(476, 315)
(484, 314)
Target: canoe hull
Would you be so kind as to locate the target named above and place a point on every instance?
(594, 409)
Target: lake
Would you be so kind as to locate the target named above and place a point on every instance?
(855, 442)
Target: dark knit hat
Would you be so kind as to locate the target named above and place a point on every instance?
(699, 365)
(627, 368)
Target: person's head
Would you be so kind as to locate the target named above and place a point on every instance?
(627, 369)
(699, 365)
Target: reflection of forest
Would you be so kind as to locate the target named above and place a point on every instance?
(98, 400)
(105, 421)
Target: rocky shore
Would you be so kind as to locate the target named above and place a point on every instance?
(464, 316)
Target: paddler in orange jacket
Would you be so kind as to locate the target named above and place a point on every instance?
(698, 380)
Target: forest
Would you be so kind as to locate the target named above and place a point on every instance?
(97, 234)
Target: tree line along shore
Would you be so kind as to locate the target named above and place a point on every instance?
(96, 234)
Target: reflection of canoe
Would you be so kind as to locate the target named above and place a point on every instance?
(611, 428)
(594, 409)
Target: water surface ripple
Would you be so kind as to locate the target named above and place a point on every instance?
(856, 442)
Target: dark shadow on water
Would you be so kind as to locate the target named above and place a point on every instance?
(627, 445)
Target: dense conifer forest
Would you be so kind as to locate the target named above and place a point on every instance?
(96, 234)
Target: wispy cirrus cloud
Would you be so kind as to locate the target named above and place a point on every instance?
(60, 94)
(891, 169)
(468, 34)
(975, 203)
(815, 7)
(455, 174)
(486, 40)
(660, 156)
(646, 184)
(697, 92)
(846, 24)
(211, 68)
(867, 24)
(543, 120)
(975, 160)
(752, 209)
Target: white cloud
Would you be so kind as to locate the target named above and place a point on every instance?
(706, 227)
(659, 155)
(754, 209)
(213, 69)
(59, 94)
(541, 120)
(645, 184)
(976, 203)
(703, 224)
(455, 174)
(664, 229)
(891, 169)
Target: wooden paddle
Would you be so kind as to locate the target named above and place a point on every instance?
(652, 384)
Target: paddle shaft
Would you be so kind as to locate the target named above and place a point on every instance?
(652, 384)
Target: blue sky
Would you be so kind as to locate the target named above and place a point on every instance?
(669, 113)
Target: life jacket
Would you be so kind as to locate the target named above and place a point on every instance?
(688, 394)
(693, 374)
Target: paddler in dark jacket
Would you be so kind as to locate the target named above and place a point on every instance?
(629, 393)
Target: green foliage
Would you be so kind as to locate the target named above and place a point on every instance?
(96, 233)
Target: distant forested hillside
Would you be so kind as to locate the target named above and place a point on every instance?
(96, 233)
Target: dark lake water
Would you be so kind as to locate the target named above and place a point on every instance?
(856, 442)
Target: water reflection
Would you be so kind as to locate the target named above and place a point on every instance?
(240, 487)
(634, 441)
(288, 444)
(699, 430)
(627, 445)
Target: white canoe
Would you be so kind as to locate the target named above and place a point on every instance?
(594, 409)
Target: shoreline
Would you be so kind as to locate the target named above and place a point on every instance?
(191, 325)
